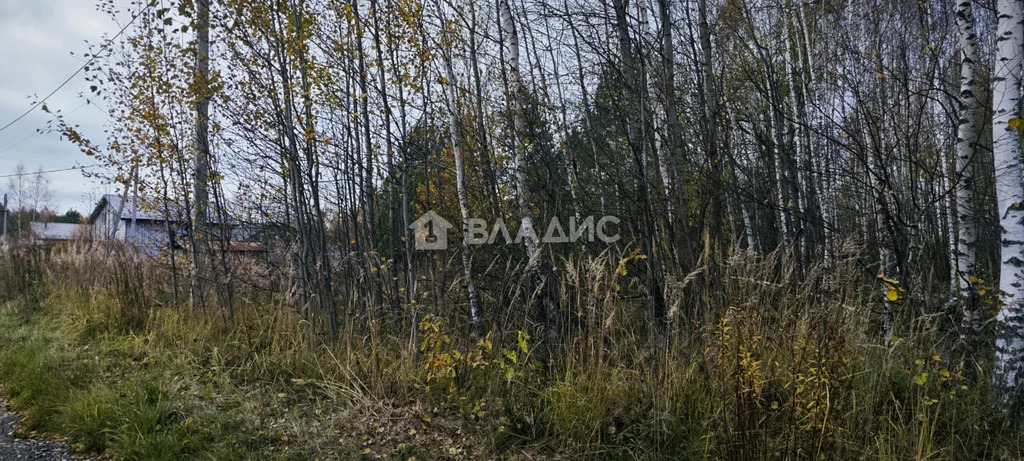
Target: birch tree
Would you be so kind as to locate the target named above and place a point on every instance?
(1006, 150)
(536, 268)
(966, 145)
(460, 181)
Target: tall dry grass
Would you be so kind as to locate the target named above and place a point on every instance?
(780, 364)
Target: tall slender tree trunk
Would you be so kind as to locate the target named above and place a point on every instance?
(781, 191)
(674, 130)
(364, 112)
(1009, 195)
(795, 136)
(490, 177)
(318, 231)
(460, 182)
(407, 237)
(633, 89)
(592, 304)
(966, 141)
(392, 203)
(536, 268)
(168, 226)
(202, 166)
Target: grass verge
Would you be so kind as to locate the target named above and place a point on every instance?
(775, 377)
(187, 388)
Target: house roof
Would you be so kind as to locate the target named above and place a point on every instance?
(129, 210)
(148, 210)
(55, 230)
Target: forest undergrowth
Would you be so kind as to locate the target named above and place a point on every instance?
(793, 367)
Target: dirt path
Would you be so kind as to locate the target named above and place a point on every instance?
(16, 449)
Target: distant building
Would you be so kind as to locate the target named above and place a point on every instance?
(145, 229)
(52, 233)
(152, 231)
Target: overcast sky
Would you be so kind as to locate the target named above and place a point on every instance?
(36, 42)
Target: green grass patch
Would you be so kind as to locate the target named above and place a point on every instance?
(111, 394)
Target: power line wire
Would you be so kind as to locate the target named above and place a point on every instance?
(29, 173)
(26, 138)
(37, 132)
(91, 59)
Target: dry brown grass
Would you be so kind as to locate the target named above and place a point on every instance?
(780, 364)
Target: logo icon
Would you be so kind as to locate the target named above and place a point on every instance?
(430, 232)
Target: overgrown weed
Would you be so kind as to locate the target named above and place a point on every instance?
(789, 368)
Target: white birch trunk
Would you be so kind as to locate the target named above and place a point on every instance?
(511, 38)
(460, 180)
(537, 269)
(1009, 194)
(797, 141)
(967, 137)
(780, 181)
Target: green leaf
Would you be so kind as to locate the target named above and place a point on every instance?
(522, 339)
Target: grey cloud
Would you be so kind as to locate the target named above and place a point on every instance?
(35, 51)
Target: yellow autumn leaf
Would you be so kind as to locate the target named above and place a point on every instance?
(892, 294)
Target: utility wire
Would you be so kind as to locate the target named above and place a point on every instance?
(29, 173)
(37, 132)
(67, 80)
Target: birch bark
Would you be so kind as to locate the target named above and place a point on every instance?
(967, 137)
(1009, 193)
